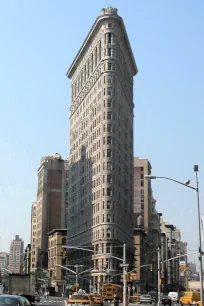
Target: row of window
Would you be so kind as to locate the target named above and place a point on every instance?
(105, 218)
(93, 92)
(110, 233)
(92, 62)
(108, 128)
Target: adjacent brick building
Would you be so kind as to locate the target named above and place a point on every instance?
(50, 204)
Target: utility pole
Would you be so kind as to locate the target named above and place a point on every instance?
(90, 286)
(159, 272)
(98, 284)
(124, 276)
(77, 271)
(199, 236)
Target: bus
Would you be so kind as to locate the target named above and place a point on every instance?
(112, 291)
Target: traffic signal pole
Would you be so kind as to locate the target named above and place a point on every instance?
(77, 271)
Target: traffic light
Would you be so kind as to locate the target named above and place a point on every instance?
(61, 254)
(64, 254)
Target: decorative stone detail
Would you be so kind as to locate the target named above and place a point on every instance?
(109, 10)
(90, 83)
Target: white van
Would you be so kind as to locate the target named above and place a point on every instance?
(174, 296)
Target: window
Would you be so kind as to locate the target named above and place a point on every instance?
(109, 103)
(109, 140)
(109, 51)
(108, 204)
(96, 56)
(142, 176)
(109, 66)
(142, 183)
(108, 218)
(109, 166)
(109, 178)
(88, 68)
(99, 53)
(109, 115)
(142, 168)
(109, 127)
(109, 38)
(109, 153)
(109, 192)
(109, 91)
(109, 25)
(109, 79)
(91, 62)
(108, 233)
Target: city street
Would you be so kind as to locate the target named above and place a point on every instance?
(60, 301)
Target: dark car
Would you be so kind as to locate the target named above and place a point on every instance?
(13, 300)
(165, 300)
(37, 298)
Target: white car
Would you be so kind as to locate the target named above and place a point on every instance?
(174, 297)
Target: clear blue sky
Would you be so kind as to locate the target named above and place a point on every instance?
(39, 40)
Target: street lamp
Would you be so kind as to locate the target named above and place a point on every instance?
(186, 184)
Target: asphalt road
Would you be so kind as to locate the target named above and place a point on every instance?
(60, 301)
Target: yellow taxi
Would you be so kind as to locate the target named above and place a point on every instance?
(80, 298)
(199, 303)
(190, 297)
(98, 300)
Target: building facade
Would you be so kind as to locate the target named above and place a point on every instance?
(16, 255)
(27, 259)
(50, 205)
(33, 257)
(100, 190)
(147, 234)
(56, 239)
(171, 247)
(4, 263)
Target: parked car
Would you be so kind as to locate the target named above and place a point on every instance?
(134, 298)
(153, 295)
(13, 300)
(37, 298)
(174, 297)
(98, 300)
(165, 300)
(26, 301)
(145, 299)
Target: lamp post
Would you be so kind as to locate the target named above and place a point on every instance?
(159, 275)
(186, 184)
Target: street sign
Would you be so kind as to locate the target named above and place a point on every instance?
(187, 273)
(124, 265)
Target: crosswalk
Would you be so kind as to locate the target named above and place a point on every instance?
(51, 299)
